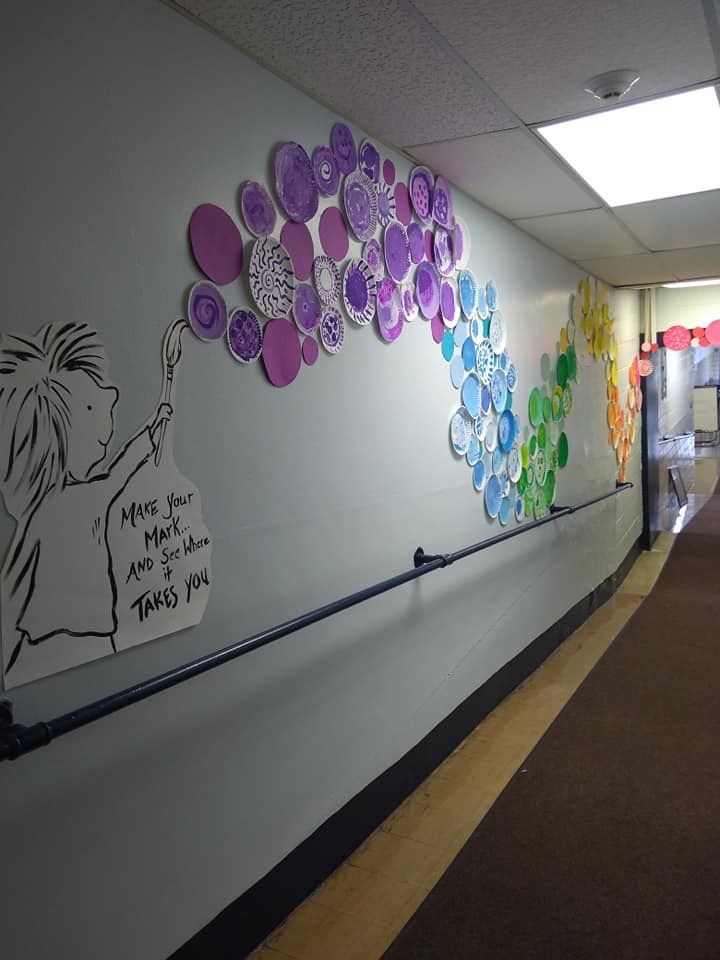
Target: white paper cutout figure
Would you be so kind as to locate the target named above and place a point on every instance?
(84, 575)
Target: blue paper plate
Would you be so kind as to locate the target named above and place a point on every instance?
(457, 371)
(467, 288)
(505, 511)
(479, 475)
(471, 394)
(493, 496)
(491, 295)
(473, 451)
(511, 377)
(498, 390)
(468, 353)
(461, 429)
(498, 461)
(485, 400)
(506, 430)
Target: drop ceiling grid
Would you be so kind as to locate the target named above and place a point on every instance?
(373, 63)
(537, 56)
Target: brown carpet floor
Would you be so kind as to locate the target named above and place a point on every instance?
(608, 846)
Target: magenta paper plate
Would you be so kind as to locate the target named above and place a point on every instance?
(257, 209)
(216, 243)
(325, 171)
(244, 336)
(397, 251)
(207, 311)
(359, 292)
(307, 309)
(361, 207)
(442, 210)
(369, 160)
(282, 352)
(427, 289)
(421, 192)
(390, 313)
(332, 330)
(310, 350)
(343, 146)
(295, 182)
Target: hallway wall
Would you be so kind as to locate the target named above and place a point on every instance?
(128, 836)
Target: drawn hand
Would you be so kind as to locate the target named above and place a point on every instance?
(162, 416)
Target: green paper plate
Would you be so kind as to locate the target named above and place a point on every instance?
(529, 502)
(522, 481)
(549, 488)
(524, 455)
(545, 366)
(563, 450)
(535, 407)
(530, 477)
(542, 435)
(533, 446)
(562, 370)
(553, 460)
(557, 403)
(567, 400)
(571, 363)
(547, 409)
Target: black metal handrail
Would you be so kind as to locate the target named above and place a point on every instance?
(17, 739)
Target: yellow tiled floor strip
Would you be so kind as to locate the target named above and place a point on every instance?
(359, 910)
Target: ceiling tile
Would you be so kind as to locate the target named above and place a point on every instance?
(635, 269)
(509, 172)
(537, 56)
(376, 64)
(585, 235)
(691, 221)
(694, 262)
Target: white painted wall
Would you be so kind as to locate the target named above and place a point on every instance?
(687, 306)
(126, 837)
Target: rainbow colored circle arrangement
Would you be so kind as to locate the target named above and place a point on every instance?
(308, 288)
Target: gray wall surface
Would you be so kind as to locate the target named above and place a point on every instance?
(126, 837)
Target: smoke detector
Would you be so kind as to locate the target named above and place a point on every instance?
(612, 85)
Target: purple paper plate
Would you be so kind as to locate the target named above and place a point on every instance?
(449, 305)
(442, 252)
(409, 301)
(216, 243)
(307, 308)
(361, 206)
(397, 251)
(437, 328)
(402, 204)
(369, 160)
(257, 209)
(332, 330)
(421, 192)
(325, 171)
(327, 280)
(416, 241)
(389, 172)
(373, 256)
(461, 244)
(390, 314)
(207, 311)
(295, 182)
(271, 277)
(244, 336)
(282, 352)
(343, 146)
(359, 292)
(442, 208)
(427, 288)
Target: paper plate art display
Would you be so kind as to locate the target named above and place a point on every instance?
(271, 277)
(361, 208)
(244, 335)
(359, 292)
(207, 311)
(120, 509)
(295, 182)
(257, 209)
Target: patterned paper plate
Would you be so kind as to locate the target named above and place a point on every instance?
(442, 252)
(422, 184)
(332, 330)
(442, 207)
(373, 256)
(427, 288)
(325, 171)
(327, 280)
(359, 292)
(397, 251)
(343, 146)
(498, 333)
(461, 429)
(271, 277)
(468, 288)
(369, 160)
(361, 205)
(390, 313)
(257, 209)
(307, 309)
(207, 311)
(244, 336)
(486, 360)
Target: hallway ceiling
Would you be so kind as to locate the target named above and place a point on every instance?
(461, 84)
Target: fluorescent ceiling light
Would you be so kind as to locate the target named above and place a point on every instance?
(694, 283)
(661, 148)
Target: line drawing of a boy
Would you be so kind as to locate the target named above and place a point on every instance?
(57, 420)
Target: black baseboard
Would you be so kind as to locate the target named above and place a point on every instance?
(253, 916)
